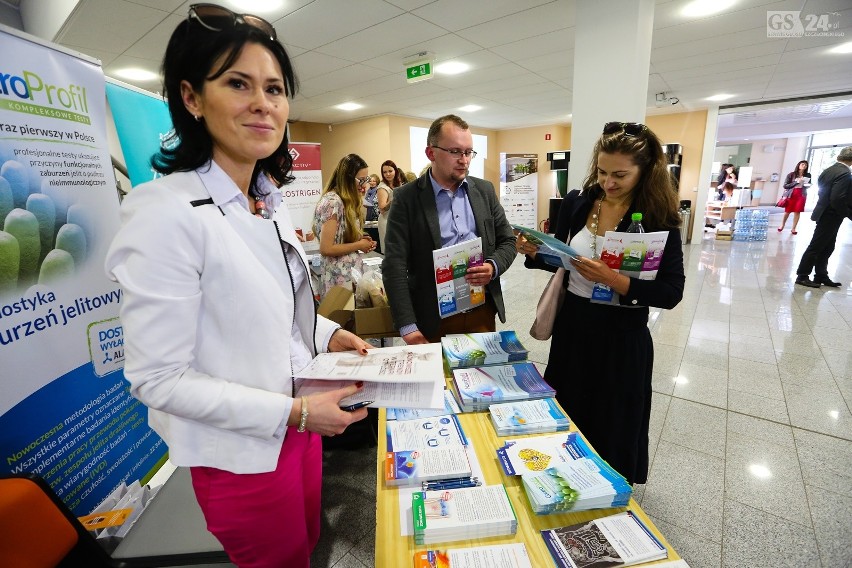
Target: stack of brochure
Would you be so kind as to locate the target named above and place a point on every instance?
(616, 540)
(480, 387)
(538, 453)
(497, 556)
(478, 349)
(462, 514)
(450, 407)
(421, 433)
(579, 485)
(409, 467)
(528, 417)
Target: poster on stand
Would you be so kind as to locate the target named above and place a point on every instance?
(302, 194)
(142, 122)
(66, 413)
(519, 188)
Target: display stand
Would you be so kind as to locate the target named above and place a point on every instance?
(392, 549)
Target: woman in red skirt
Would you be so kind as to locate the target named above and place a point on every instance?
(796, 187)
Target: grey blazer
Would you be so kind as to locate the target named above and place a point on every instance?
(413, 233)
(835, 190)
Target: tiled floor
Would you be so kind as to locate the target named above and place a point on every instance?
(751, 430)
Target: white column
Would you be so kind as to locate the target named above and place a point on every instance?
(702, 191)
(612, 58)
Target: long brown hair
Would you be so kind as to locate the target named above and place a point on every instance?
(343, 183)
(654, 195)
(398, 174)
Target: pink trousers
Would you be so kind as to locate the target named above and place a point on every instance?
(267, 520)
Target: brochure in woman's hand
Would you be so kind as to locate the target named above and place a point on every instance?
(550, 249)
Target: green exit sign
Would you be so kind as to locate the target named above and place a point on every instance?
(418, 72)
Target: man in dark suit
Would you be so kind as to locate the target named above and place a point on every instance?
(835, 191)
(444, 206)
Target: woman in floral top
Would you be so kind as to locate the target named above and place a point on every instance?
(338, 221)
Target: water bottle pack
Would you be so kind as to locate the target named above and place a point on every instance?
(751, 224)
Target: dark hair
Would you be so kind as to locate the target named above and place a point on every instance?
(728, 186)
(398, 174)
(435, 129)
(342, 182)
(654, 196)
(192, 52)
(796, 169)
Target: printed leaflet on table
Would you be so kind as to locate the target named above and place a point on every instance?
(528, 416)
(451, 263)
(462, 514)
(479, 387)
(450, 407)
(409, 467)
(433, 432)
(409, 376)
(538, 453)
(478, 349)
(616, 540)
(637, 255)
(496, 556)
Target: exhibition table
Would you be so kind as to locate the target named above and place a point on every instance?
(392, 549)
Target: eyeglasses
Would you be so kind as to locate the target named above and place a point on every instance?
(216, 18)
(456, 153)
(629, 128)
(363, 180)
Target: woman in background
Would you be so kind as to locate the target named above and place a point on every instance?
(601, 355)
(339, 221)
(370, 203)
(392, 178)
(218, 311)
(796, 189)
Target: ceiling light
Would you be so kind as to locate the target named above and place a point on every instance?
(470, 108)
(452, 68)
(136, 74)
(348, 106)
(720, 97)
(699, 8)
(842, 48)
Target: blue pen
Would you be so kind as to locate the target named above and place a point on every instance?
(441, 485)
(357, 405)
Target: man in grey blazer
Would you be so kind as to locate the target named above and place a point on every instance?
(444, 206)
(833, 205)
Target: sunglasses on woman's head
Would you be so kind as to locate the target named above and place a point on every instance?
(216, 18)
(629, 128)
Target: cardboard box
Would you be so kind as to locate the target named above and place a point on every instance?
(338, 305)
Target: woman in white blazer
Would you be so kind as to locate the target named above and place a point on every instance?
(218, 310)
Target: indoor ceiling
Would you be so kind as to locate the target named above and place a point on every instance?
(520, 52)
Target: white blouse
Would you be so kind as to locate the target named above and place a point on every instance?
(582, 243)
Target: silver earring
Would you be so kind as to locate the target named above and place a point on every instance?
(196, 117)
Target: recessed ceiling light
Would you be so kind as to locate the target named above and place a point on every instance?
(349, 106)
(470, 108)
(136, 74)
(842, 48)
(452, 68)
(720, 97)
(699, 8)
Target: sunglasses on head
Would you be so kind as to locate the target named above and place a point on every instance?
(216, 18)
(629, 128)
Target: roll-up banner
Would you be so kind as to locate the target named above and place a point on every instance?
(303, 193)
(65, 410)
(519, 188)
(142, 122)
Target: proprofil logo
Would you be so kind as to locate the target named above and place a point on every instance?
(28, 92)
(294, 154)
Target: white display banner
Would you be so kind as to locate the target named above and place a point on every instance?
(519, 188)
(65, 408)
(303, 193)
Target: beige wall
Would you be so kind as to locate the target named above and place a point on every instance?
(387, 137)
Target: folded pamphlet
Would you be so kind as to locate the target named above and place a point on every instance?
(480, 387)
(528, 416)
(478, 349)
(513, 555)
(462, 514)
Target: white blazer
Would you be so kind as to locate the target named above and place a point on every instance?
(207, 323)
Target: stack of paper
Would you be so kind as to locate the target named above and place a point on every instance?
(528, 417)
(422, 433)
(409, 467)
(462, 514)
(450, 407)
(617, 540)
(579, 485)
(410, 376)
(497, 556)
(480, 387)
(538, 453)
(478, 349)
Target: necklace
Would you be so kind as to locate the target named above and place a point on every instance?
(595, 218)
(260, 209)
